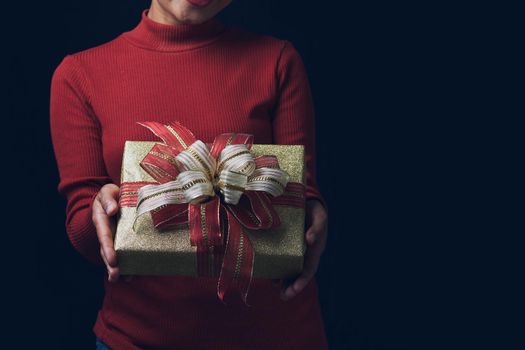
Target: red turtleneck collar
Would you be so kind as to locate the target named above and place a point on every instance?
(157, 36)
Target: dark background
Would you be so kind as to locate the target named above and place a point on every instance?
(392, 87)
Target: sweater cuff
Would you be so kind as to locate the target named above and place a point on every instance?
(83, 236)
(314, 193)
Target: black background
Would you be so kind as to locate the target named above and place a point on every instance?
(392, 87)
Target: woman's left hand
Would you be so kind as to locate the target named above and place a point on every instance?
(316, 236)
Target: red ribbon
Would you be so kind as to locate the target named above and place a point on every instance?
(216, 228)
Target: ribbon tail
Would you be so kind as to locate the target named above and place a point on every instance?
(255, 211)
(170, 215)
(237, 265)
(225, 139)
(205, 234)
(173, 134)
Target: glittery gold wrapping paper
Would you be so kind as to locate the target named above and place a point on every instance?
(278, 252)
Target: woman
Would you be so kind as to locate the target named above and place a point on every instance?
(181, 63)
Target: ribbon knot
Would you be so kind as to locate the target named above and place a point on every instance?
(202, 176)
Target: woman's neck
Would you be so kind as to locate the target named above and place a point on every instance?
(151, 34)
(159, 15)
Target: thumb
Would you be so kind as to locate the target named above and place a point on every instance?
(111, 207)
(108, 197)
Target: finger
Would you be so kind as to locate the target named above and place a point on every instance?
(105, 205)
(287, 282)
(104, 257)
(316, 232)
(316, 235)
(113, 272)
(295, 287)
(311, 264)
(108, 196)
(316, 212)
(104, 226)
(312, 235)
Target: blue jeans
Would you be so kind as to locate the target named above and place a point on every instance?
(101, 345)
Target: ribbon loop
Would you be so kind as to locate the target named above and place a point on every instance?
(159, 163)
(232, 185)
(195, 186)
(237, 158)
(197, 157)
(151, 197)
(269, 180)
(173, 134)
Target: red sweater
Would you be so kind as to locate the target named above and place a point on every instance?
(213, 79)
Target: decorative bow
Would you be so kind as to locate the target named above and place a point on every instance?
(204, 187)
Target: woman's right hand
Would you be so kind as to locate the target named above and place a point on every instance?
(105, 206)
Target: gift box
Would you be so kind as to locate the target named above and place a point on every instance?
(236, 233)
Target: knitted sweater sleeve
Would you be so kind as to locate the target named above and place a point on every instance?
(76, 137)
(294, 116)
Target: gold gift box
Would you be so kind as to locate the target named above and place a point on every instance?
(278, 253)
